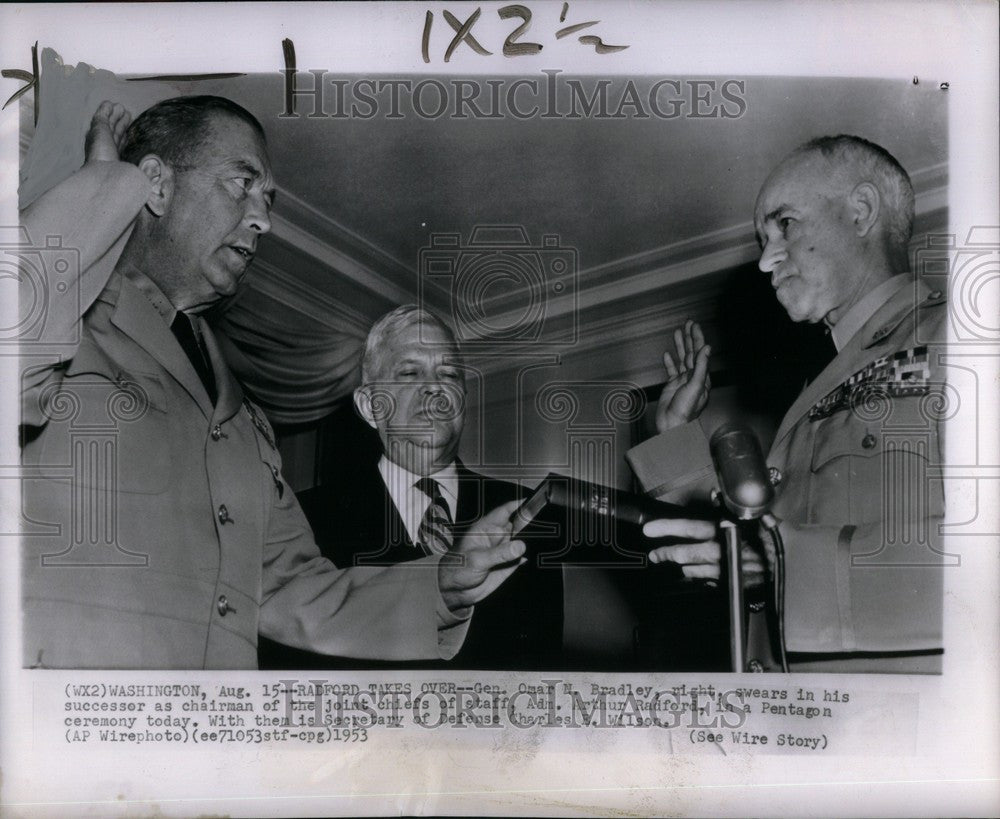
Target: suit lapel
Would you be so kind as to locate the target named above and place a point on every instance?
(479, 495)
(472, 497)
(136, 317)
(391, 521)
(859, 351)
(465, 485)
(387, 526)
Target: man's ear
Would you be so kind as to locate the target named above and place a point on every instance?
(866, 204)
(363, 405)
(161, 183)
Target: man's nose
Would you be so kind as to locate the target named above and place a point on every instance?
(432, 386)
(771, 256)
(257, 216)
(442, 390)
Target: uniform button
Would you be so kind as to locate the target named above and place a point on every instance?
(755, 666)
(216, 432)
(224, 515)
(223, 606)
(869, 441)
(774, 475)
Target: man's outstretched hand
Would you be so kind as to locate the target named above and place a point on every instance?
(686, 392)
(481, 561)
(107, 130)
(700, 556)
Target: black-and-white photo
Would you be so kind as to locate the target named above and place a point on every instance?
(524, 297)
(561, 386)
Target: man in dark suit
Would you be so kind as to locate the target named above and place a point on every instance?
(418, 496)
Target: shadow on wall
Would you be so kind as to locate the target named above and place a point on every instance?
(768, 356)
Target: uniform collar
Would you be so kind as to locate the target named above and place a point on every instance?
(133, 310)
(854, 319)
(161, 304)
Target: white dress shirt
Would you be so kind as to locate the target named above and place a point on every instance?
(410, 502)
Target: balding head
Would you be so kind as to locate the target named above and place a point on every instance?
(834, 221)
(852, 160)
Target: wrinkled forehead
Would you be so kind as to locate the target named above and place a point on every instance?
(798, 176)
(231, 141)
(420, 340)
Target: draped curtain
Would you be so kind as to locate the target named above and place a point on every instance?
(296, 367)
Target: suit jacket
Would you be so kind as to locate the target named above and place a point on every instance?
(860, 514)
(356, 522)
(158, 530)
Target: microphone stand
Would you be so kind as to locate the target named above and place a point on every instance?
(734, 566)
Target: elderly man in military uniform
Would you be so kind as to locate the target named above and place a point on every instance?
(159, 532)
(858, 513)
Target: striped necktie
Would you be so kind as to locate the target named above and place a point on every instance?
(435, 528)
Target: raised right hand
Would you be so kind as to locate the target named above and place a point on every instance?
(107, 130)
(686, 392)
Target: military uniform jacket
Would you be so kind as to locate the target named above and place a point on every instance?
(858, 504)
(158, 531)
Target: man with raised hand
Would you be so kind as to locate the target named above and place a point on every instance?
(858, 511)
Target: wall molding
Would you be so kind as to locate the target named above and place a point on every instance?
(342, 251)
(624, 302)
(285, 288)
(695, 257)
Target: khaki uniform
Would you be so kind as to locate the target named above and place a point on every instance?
(858, 507)
(159, 532)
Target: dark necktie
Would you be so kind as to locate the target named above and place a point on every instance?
(435, 528)
(829, 346)
(184, 333)
(819, 355)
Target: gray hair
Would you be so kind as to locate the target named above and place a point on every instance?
(389, 325)
(882, 169)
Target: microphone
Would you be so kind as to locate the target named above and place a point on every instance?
(603, 501)
(747, 491)
(744, 481)
(598, 502)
